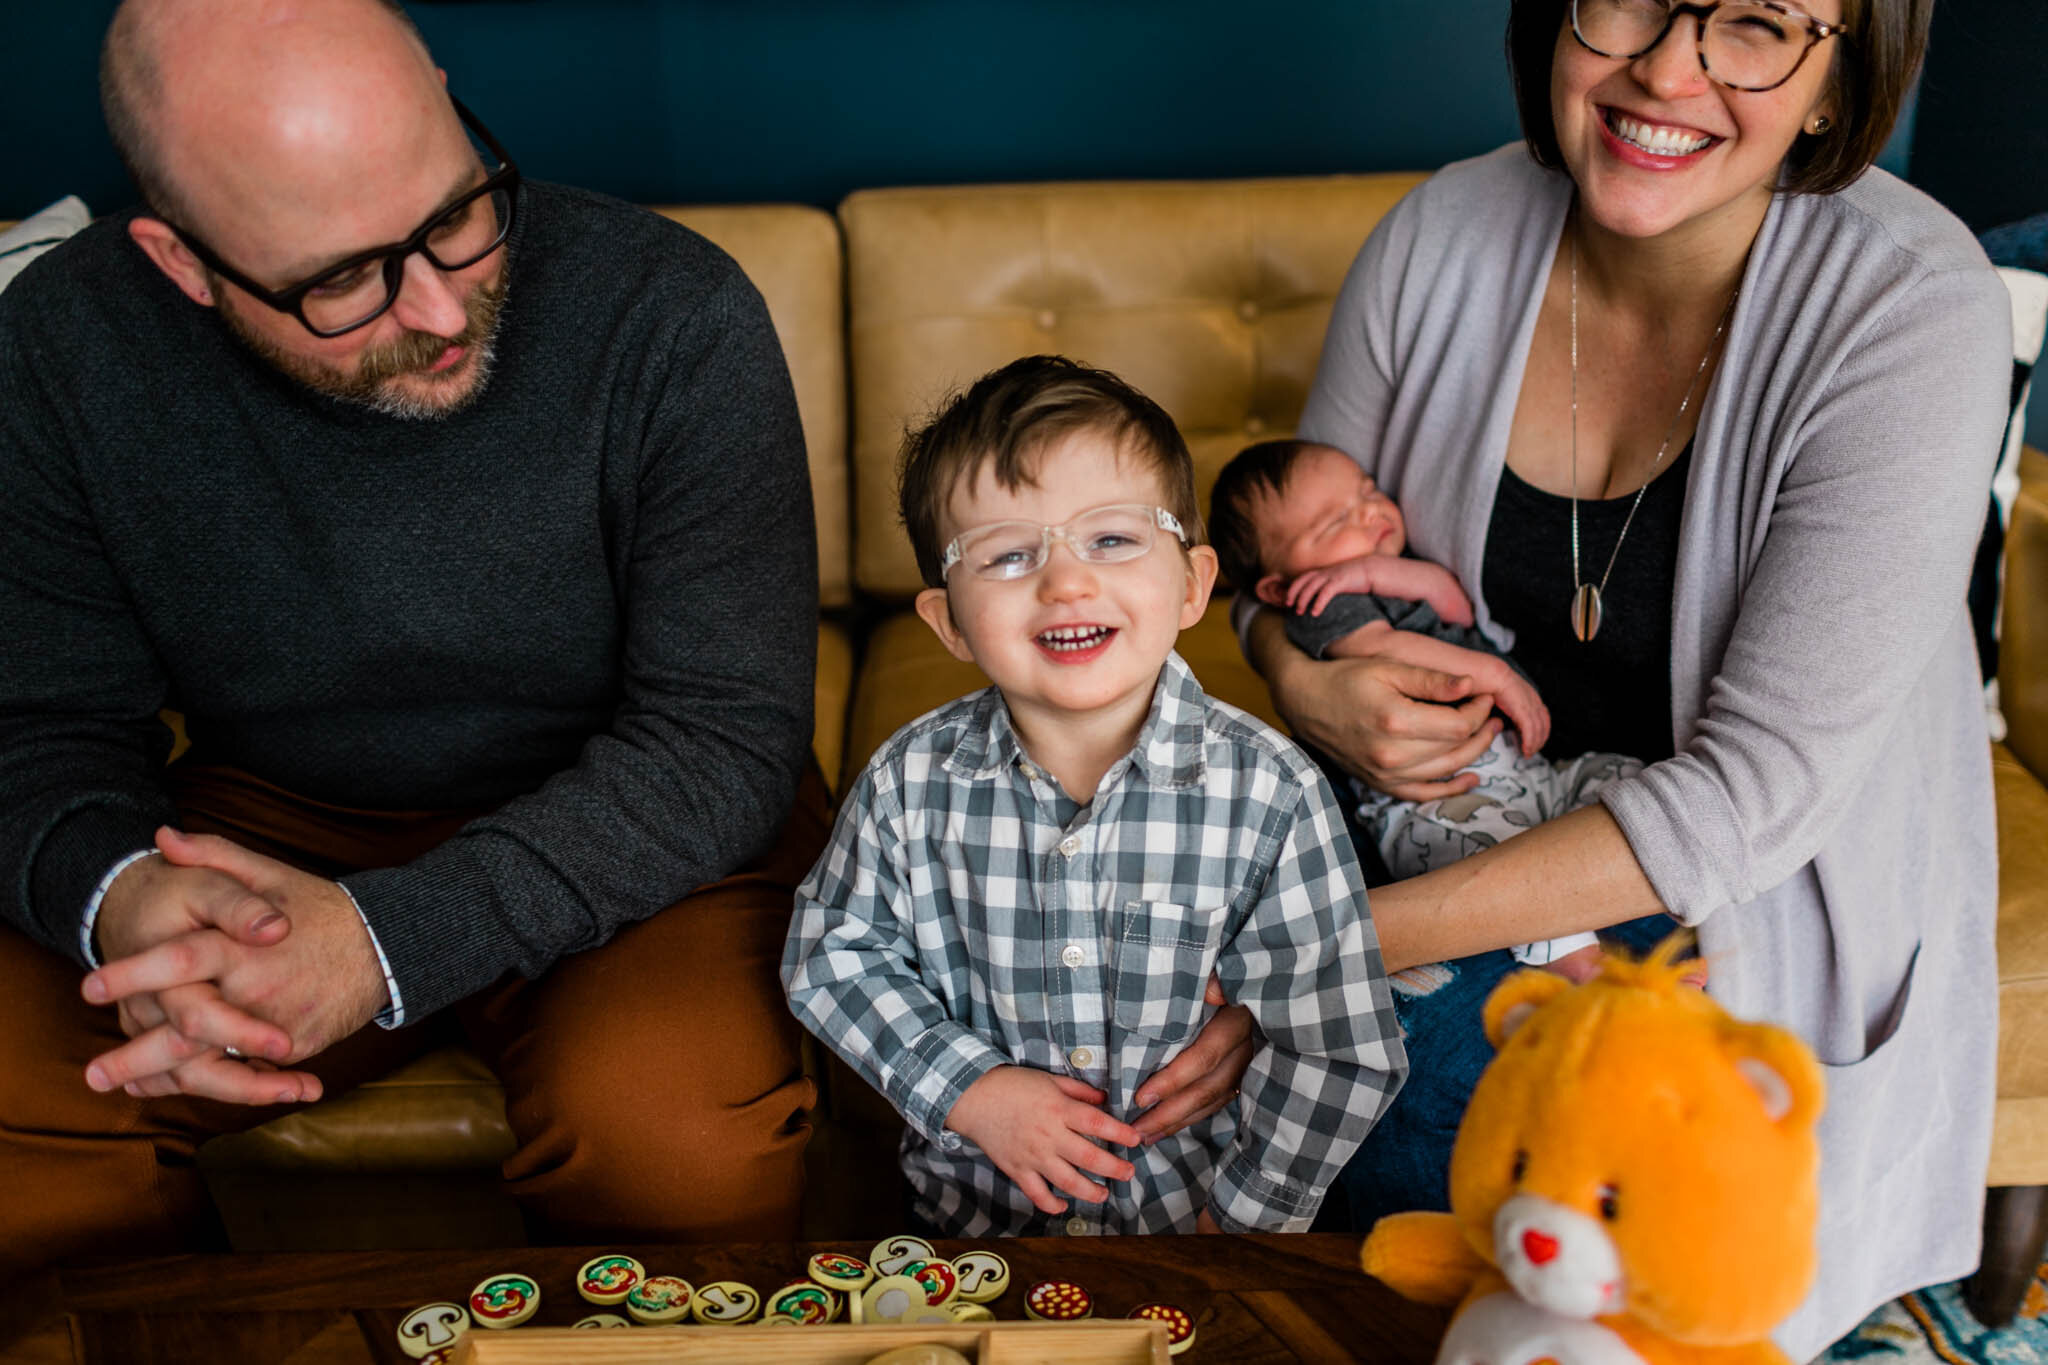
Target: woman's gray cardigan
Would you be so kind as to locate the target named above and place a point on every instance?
(1827, 818)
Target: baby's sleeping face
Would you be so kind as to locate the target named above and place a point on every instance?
(1328, 511)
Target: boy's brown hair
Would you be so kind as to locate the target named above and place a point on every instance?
(1256, 471)
(1008, 418)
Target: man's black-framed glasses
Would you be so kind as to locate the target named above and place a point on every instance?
(1750, 45)
(356, 292)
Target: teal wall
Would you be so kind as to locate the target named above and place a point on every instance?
(720, 101)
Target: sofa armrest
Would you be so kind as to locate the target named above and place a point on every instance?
(2023, 640)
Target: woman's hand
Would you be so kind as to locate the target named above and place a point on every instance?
(1405, 730)
(1204, 1077)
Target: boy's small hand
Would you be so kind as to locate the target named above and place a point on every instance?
(1310, 592)
(1043, 1131)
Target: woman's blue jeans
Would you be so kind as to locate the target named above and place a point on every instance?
(1405, 1161)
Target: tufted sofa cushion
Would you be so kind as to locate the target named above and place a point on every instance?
(1211, 297)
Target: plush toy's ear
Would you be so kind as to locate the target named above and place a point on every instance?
(1782, 1071)
(1516, 998)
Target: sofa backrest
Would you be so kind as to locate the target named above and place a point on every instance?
(1210, 296)
(791, 253)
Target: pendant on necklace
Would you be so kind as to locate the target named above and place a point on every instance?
(1586, 611)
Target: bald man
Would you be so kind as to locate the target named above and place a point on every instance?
(467, 523)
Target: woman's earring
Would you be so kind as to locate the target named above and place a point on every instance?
(1820, 125)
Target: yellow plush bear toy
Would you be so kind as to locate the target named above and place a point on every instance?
(1634, 1180)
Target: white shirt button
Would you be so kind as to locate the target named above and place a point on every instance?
(1080, 1057)
(1073, 955)
(1070, 845)
(1077, 1226)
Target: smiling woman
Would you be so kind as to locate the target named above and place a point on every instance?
(1700, 409)
(1869, 50)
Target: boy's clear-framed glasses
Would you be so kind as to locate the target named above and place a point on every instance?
(1751, 45)
(1101, 535)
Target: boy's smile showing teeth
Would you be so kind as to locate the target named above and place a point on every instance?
(1069, 643)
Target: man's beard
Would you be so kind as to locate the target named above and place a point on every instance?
(412, 353)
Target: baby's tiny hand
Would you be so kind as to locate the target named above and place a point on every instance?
(1456, 608)
(1310, 592)
(1043, 1131)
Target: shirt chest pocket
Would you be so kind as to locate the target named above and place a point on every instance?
(1164, 953)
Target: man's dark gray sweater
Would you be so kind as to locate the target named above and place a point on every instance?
(588, 600)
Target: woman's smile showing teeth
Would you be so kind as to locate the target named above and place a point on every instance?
(1657, 139)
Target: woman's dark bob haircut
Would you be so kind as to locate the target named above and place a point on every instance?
(1874, 64)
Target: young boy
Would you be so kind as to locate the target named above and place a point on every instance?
(1028, 889)
(1305, 530)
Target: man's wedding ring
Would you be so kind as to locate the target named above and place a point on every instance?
(233, 1053)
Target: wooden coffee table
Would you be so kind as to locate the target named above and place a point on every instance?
(1254, 1299)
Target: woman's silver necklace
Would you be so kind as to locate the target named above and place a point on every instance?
(1586, 597)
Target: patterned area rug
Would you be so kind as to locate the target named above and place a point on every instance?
(1932, 1327)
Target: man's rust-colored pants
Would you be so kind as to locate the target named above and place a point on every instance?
(653, 1085)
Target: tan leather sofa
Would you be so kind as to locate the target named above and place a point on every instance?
(1213, 298)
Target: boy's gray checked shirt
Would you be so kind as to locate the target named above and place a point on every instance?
(968, 915)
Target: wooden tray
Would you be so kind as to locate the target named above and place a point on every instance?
(1107, 1342)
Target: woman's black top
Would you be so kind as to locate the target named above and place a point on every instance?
(1614, 692)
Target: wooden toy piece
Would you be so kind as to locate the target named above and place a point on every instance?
(1058, 1301)
(891, 1299)
(983, 1276)
(847, 1274)
(778, 1320)
(660, 1298)
(939, 1281)
(597, 1320)
(804, 1302)
(894, 1253)
(856, 1307)
(964, 1311)
(1180, 1328)
(504, 1300)
(444, 1356)
(921, 1354)
(608, 1279)
(726, 1303)
(431, 1327)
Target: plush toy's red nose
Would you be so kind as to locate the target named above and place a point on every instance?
(1537, 1247)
